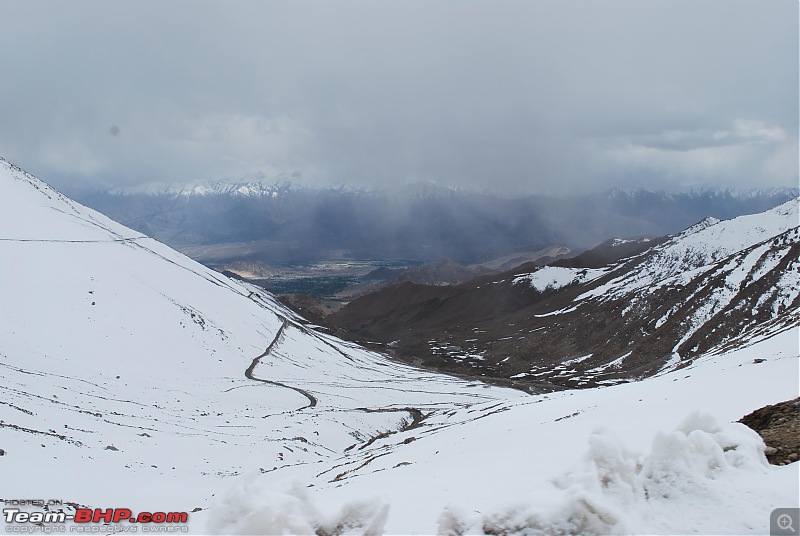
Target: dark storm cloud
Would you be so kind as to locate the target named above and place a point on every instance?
(511, 96)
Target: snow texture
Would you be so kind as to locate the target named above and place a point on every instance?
(252, 507)
(681, 486)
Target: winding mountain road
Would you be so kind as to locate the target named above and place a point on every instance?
(312, 401)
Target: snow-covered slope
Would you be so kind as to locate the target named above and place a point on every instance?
(555, 277)
(711, 287)
(700, 247)
(134, 377)
(124, 361)
(660, 456)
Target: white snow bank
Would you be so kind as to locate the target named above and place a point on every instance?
(253, 507)
(690, 481)
(684, 485)
(555, 277)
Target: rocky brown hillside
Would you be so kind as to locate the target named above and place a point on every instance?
(715, 285)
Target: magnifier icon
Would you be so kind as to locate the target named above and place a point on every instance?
(785, 522)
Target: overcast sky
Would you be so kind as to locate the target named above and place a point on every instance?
(516, 97)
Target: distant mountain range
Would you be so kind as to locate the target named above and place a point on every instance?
(220, 222)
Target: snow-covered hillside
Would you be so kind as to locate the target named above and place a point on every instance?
(660, 456)
(134, 377)
(700, 247)
(712, 287)
(124, 361)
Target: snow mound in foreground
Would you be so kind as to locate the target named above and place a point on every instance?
(691, 481)
(251, 507)
(685, 484)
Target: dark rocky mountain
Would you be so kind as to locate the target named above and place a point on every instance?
(622, 311)
(381, 274)
(219, 223)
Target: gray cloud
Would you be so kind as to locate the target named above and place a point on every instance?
(512, 96)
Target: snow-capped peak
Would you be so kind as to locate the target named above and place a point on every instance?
(699, 246)
(699, 226)
(244, 188)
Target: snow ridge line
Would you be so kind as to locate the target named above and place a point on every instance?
(131, 239)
